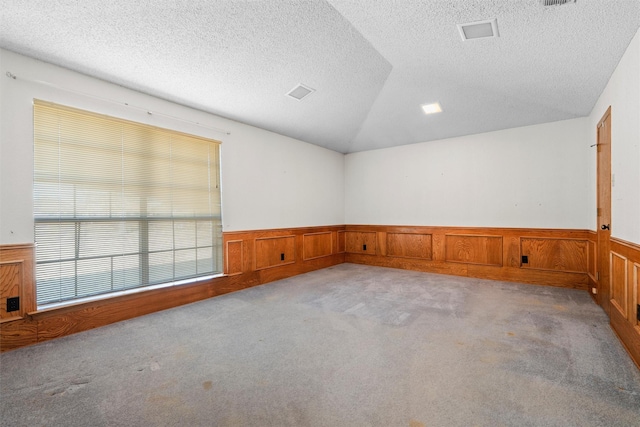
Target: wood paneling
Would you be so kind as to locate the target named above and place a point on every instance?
(511, 251)
(10, 287)
(274, 251)
(472, 249)
(18, 333)
(17, 278)
(592, 259)
(234, 257)
(306, 249)
(619, 282)
(317, 245)
(361, 242)
(406, 245)
(341, 241)
(490, 266)
(624, 293)
(628, 335)
(555, 254)
(240, 251)
(635, 302)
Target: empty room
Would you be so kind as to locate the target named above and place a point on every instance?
(320, 213)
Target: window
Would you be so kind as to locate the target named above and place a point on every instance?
(120, 205)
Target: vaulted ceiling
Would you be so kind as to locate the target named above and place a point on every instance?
(372, 63)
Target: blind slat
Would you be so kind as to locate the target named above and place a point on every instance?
(124, 175)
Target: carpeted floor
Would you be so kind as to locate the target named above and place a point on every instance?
(349, 345)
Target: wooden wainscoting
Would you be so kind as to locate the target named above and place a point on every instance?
(280, 253)
(553, 257)
(251, 258)
(17, 281)
(625, 294)
(16, 277)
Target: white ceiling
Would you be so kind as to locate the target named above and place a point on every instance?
(371, 62)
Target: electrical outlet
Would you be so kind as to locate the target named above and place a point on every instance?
(13, 304)
(525, 259)
(364, 247)
(594, 291)
(281, 257)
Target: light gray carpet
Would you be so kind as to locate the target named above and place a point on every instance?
(349, 345)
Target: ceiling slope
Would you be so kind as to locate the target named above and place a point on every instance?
(371, 63)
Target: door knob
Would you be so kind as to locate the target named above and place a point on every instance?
(605, 226)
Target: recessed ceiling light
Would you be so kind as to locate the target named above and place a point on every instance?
(432, 108)
(301, 91)
(479, 29)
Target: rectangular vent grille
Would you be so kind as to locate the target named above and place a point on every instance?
(479, 30)
(300, 92)
(556, 2)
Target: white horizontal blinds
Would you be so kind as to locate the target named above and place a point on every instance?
(120, 205)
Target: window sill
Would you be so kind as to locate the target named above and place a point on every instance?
(103, 297)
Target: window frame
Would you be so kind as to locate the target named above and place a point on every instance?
(145, 280)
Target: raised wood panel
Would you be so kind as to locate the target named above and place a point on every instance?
(472, 249)
(10, 286)
(361, 242)
(274, 251)
(555, 254)
(619, 284)
(317, 245)
(592, 259)
(234, 257)
(341, 242)
(405, 245)
(11, 256)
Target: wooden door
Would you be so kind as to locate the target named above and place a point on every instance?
(604, 208)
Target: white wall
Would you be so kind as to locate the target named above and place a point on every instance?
(268, 180)
(534, 176)
(622, 93)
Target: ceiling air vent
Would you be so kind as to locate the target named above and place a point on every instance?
(556, 2)
(300, 92)
(479, 29)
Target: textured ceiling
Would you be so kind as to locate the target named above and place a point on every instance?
(372, 63)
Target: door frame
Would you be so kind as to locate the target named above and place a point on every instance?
(603, 198)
